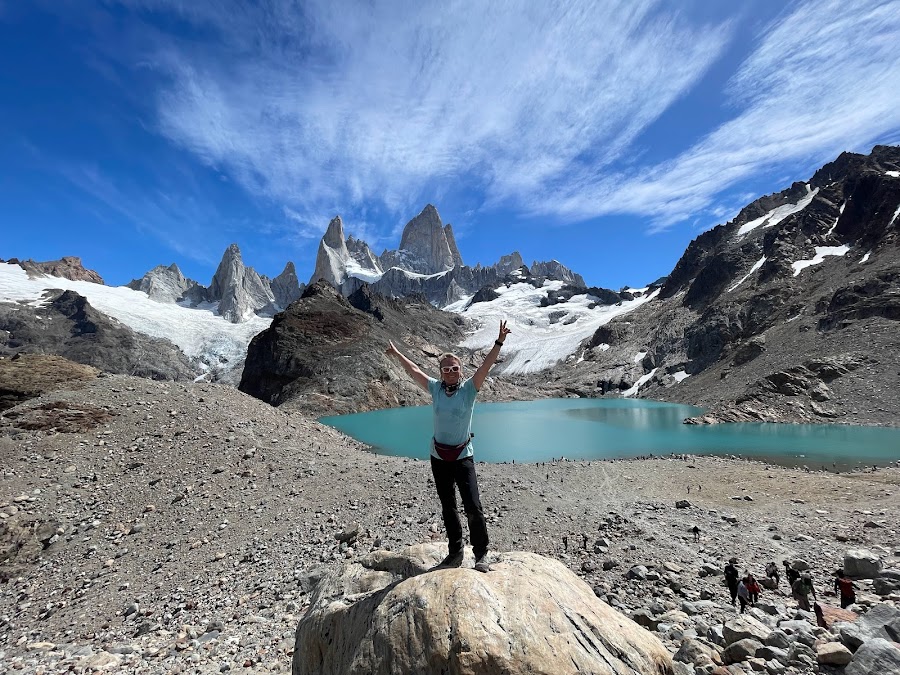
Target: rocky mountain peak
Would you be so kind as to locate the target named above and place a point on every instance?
(451, 241)
(286, 287)
(509, 263)
(556, 270)
(67, 267)
(239, 290)
(334, 234)
(167, 284)
(332, 256)
(425, 244)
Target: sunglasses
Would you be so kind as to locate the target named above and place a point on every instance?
(449, 369)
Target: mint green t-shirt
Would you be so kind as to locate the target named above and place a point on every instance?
(453, 415)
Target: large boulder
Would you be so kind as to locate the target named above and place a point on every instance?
(745, 627)
(390, 612)
(881, 621)
(876, 656)
(861, 563)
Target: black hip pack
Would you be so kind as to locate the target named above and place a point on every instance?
(450, 453)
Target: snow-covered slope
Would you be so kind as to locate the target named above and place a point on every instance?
(541, 336)
(204, 336)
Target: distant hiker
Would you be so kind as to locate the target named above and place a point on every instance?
(743, 594)
(565, 543)
(696, 532)
(845, 588)
(689, 489)
(452, 455)
(801, 590)
(791, 573)
(772, 573)
(731, 578)
(753, 587)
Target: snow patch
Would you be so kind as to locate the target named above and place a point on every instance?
(680, 375)
(821, 253)
(778, 214)
(204, 336)
(639, 357)
(535, 343)
(894, 217)
(756, 266)
(893, 174)
(834, 225)
(640, 383)
(354, 269)
(865, 258)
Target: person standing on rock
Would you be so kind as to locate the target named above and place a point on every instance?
(731, 578)
(452, 454)
(772, 573)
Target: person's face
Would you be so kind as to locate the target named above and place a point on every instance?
(451, 371)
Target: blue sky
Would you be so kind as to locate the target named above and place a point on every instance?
(606, 135)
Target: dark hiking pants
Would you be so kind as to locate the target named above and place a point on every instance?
(448, 476)
(732, 588)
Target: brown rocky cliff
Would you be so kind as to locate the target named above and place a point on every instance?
(67, 267)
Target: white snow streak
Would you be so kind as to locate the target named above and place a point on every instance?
(756, 266)
(680, 375)
(640, 383)
(893, 174)
(865, 258)
(821, 252)
(834, 225)
(894, 217)
(778, 214)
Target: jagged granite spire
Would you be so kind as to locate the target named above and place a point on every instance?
(286, 287)
(423, 246)
(239, 290)
(332, 256)
(451, 241)
(167, 284)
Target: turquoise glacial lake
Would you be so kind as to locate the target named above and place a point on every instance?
(543, 430)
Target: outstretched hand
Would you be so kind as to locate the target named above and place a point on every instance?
(504, 331)
(391, 350)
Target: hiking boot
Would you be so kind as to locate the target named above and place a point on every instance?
(452, 560)
(481, 564)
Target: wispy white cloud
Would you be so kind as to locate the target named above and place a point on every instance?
(332, 107)
(341, 104)
(823, 79)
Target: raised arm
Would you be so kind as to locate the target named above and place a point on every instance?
(491, 357)
(411, 368)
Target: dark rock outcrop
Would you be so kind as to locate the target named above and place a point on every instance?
(70, 327)
(325, 353)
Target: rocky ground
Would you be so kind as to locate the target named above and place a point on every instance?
(153, 527)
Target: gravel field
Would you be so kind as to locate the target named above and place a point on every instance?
(150, 527)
